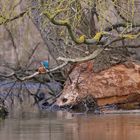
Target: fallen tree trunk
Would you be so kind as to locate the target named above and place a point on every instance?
(117, 85)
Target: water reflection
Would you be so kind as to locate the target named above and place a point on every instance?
(65, 126)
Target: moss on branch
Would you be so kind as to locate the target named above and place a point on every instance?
(82, 39)
(6, 20)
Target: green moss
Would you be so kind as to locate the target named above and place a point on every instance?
(129, 36)
(98, 36)
(81, 39)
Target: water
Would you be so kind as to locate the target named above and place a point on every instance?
(66, 126)
(61, 125)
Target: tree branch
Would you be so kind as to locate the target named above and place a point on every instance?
(37, 73)
(81, 59)
(70, 60)
(82, 39)
(118, 25)
(92, 55)
(7, 76)
(66, 23)
(5, 20)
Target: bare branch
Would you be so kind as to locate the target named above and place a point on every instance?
(37, 73)
(11, 88)
(118, 25)
(58, 67)
(14, 18)
(82, 39)
(81, 59)
(31, 55)
(34, 74)
(66, 23)
(29, 77)
(7, 76)
(13, 44)
(133, 46)
(17, 4)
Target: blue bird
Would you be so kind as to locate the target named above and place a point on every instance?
(45, 63)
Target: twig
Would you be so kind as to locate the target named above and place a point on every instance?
(17, 4)
(81, 59)
(7, 76)
(14, 18)
(20, 92)
(58, 67)
(37, 73)
(10, 90)
(28, 89)
(38, 89)
(29, 77)
(13, 44)
(34, 74)
(3, 84)
(32, 53)
(118, 25)
(131, 46)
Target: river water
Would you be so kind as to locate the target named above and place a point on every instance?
(26, 122)
(67, 126)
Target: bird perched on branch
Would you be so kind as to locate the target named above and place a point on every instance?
(45, 66)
